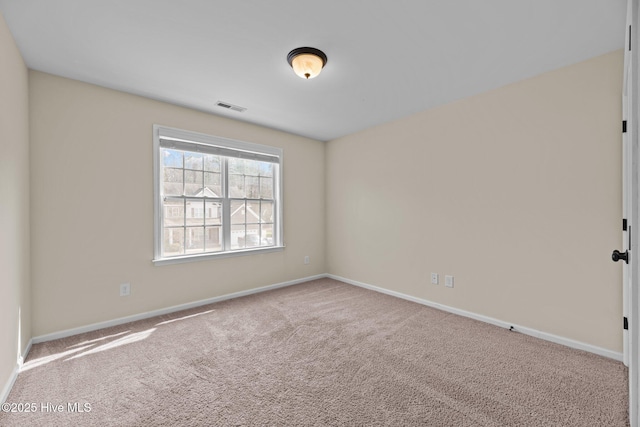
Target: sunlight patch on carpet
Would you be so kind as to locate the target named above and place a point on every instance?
(47, 359)
(129, 339)
(98, 339)
(166, 322)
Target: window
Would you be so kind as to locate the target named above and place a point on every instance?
(214, 196)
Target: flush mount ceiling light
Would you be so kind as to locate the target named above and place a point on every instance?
(307, 62)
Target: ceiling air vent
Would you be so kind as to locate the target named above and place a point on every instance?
(230, 106)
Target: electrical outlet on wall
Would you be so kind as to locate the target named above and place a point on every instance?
(434, 278)
(448, 281)
(125, 289)
(306, 259)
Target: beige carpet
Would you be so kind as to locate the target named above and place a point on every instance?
(315, 354)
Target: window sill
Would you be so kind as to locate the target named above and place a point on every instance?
(205, 257)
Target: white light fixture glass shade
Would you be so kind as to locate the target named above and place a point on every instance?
(307, 62)
(307, 66)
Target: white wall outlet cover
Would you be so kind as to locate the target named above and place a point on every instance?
(125, 289)
(434, 278)
(306, 259)
(448, 281)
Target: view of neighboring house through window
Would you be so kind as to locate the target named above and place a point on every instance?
(214, 195)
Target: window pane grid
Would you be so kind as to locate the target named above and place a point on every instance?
(194, 191)
(252, 223)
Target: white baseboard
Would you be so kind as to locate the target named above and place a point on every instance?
(527, 331)
(4, 394)
(25, 353)
(9, 385)
(173, 309)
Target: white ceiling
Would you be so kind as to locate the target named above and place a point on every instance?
(386, 59)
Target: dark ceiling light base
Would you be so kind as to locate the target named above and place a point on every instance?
(307, 62)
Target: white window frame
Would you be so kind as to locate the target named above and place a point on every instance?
(226, 147)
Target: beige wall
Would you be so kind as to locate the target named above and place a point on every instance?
(92, 207)
(14, 205)
(516, 192)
